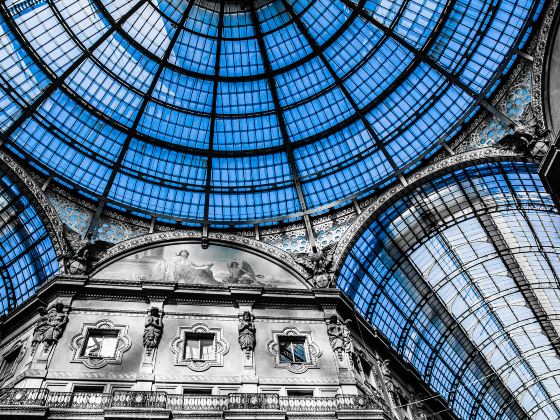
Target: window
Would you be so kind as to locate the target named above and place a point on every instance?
(292, 349)
(199, 347)
(9, 363)
(89, 389)
(100, 343)
(197, 391)
(299, 392)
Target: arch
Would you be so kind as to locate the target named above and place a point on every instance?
(29, 249)
(448, 237)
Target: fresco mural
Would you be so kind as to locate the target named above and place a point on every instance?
(190, 264)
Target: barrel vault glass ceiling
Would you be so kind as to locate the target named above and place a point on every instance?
(462, 276)
(231, 112)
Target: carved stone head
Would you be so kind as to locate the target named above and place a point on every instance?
(59, 306)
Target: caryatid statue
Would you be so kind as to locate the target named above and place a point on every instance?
(247, 330)
(339, 337)
(50, 326)
(153, 329)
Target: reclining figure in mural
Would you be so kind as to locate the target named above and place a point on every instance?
(182, 270)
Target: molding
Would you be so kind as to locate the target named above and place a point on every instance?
(221, 347)
(539, 65)
(444, 166)
(42, 205)
(78, 341)
(312, 350)
(269, 252)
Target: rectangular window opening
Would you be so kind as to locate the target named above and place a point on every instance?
(199, 347)
(89, 389)
(197, 391)
(292, 349)
(100, 343)
(9, 362)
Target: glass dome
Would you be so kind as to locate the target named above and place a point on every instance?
(244, 111)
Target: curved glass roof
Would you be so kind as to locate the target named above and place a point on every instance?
(244, 111)
(27, 256)
(462, 277)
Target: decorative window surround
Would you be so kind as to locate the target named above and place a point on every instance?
(79, 341)
(312, 350)
(11, 359)
(221, 347)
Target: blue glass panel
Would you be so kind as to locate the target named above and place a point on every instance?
(44, 32)
(247, 133)
(157, 198)
(174, 126)
(164, 165)
(433, 248)
(240, 58)
(27, 255)
(322, 18)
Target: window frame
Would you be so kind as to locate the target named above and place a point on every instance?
(220, 346)
(312, 350)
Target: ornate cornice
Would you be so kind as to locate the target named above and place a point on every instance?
(146, 241)
(539, 61)
(487, 154)
(42, 205)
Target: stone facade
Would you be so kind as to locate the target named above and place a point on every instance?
(100, 361)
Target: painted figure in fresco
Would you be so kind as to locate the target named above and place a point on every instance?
(153, 329)
(182, 270)
(247, 332)
(242, 273)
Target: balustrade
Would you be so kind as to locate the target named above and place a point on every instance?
(197, 403)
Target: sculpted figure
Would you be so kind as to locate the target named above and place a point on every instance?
(41, 327)
(153, 329)
(247, 330)
(339, 336)
(50, 326)
(318, 264)
(82, 252)
(57, 323)
(387, 377)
